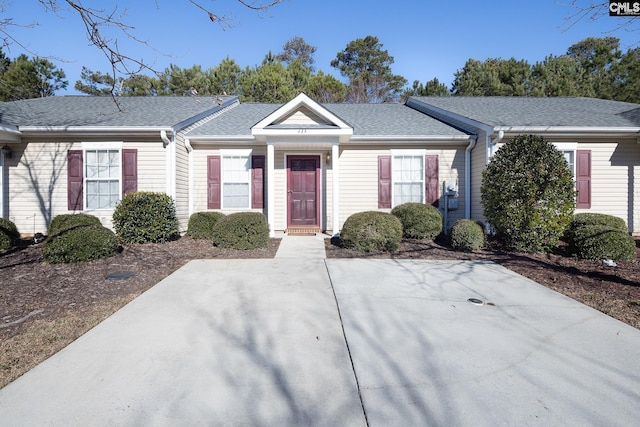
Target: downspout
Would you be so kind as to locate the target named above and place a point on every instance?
(467, 176)
(170, 164)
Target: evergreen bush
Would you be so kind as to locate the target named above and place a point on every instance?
(241, 230)
(602, 242)
(60, 222)
(419, 221)
(467, 235)
(80, 244)
(371, 231)
(146, 217)
(528, 194)
(201, 224)
(9, 234)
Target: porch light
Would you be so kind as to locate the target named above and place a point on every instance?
(328, 158)
(7, 152)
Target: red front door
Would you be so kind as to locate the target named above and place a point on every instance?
(303, 183)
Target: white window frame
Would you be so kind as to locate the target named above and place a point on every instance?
(568, 147)
(95, 147)
(407, 153)
(228, 154)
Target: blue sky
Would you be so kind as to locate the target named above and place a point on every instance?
(426, 38)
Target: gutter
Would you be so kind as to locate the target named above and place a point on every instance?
(493, 142)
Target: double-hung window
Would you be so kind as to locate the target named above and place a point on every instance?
(236, 176)
(408, 178)
(102, 178)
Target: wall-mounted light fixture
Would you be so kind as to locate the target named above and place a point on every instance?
(328, 158)
(6, 151)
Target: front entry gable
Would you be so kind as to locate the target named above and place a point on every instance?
(302, 116)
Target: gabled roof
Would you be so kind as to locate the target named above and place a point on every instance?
(392, 121)
(538, 112)
(103, 112)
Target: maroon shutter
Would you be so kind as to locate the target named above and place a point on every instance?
(75, 174)
(431, 179)
(129, 171)
(384, 182)
(583, 179)
(213, 182)
(257, 182)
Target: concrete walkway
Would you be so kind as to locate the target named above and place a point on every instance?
(302, 247)
(296, 341)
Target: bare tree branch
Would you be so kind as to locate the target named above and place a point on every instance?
(593, 11)
(103, 29)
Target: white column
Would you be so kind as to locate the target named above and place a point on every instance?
(335, 165)
(271, 203)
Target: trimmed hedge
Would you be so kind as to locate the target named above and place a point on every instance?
(371, 231)
(241, 230)
(467, 235)
(586, 218)
(602, 242)
(201, 224)
(61, 222)
(9, 234)
(419, 221)
(80, 244)
(146, 217)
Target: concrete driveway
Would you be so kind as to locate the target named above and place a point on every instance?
(339, 343)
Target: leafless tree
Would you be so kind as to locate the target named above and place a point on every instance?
(594, 10)
(105, 27)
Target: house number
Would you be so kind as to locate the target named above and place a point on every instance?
(302, 131)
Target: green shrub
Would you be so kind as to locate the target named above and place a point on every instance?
(80, 244)
(586, 219)
(241, 230)
(9, 234)
(201, 224)
(419, 221)
(528, 194)
(602, 242)
(371, 231)
(143, 217)
(60, 222)
(467, 235)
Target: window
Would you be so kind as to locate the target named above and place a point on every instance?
(102, 178)
(408, 179)
(236, 174)
(569, 156)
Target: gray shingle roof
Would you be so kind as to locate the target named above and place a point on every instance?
(529, 111)
(380, 120)
(55, 111)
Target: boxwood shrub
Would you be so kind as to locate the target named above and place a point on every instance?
(467, 235)
(241, 230)
(60, 222)
(146, 217)
(419, 221)
(201, 224)
(602, 242)
(371, 231)
(80, 244)
(9, 234)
